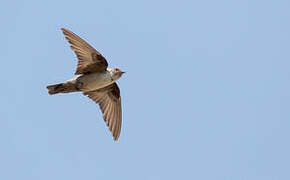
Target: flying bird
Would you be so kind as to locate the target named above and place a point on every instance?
(95, 80)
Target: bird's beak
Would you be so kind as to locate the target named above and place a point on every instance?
(123, 72)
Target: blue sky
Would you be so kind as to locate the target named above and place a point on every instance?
(205, 96)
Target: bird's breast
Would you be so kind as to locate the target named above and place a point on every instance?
(94, 81)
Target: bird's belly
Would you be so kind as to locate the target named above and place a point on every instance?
(95, 81)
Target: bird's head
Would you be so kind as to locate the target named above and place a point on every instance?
(116, 73)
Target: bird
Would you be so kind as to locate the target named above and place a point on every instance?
(95, 80)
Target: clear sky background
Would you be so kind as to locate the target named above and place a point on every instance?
(206, 95)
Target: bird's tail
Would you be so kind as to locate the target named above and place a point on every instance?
(62, 88)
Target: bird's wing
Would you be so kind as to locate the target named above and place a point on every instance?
(109, 100)
(89, 59)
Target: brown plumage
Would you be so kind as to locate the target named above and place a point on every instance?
(109, 100)
(90, 60)
(62, 88)
(96, 82)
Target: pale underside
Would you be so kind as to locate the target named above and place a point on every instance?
(95, 81)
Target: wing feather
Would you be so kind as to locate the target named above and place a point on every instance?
(89, 59)
(109, 100)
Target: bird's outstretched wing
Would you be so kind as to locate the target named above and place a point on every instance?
(109, 100)
(89, 59)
